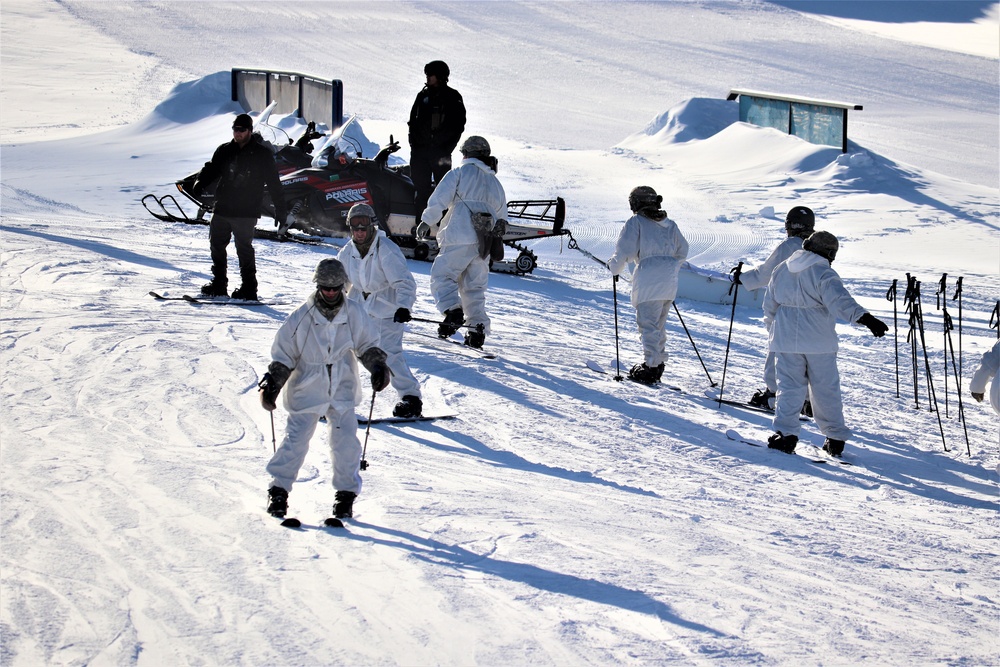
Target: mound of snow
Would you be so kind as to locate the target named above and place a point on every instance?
(695, 118)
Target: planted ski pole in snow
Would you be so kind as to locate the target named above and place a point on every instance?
(735, 289)
(711, 382)
(946, 321)
(891, 296)
(958, 295)
(995, 318)
(618, 359)
(911, 335)
(918, 310)
(368, 430)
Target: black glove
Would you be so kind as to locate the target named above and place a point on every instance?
(380, 377)
(874, 324)
(402, 315)
(271, 384)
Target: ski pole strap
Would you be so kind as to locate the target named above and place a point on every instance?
(958, 288)
(891, 294)
(995, 318)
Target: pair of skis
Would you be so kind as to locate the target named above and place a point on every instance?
(803, 450)
(211, 301)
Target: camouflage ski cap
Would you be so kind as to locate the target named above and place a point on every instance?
(823, 244)
(475, 146)
(361, 211)
(643, 197)
(330, 273)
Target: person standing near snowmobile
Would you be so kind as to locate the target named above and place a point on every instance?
(804, 299)
(243, 168)
(437, 120)
(652, 242)
(800, 222)
(381, 281)
(316, 353)
(989, 367)
(468, 204)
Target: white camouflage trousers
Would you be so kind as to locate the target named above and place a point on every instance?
(345, 449)
(458, 278)
(813, 376)
(651, 317)
(391, 342)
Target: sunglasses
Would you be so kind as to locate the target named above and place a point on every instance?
(330, 288)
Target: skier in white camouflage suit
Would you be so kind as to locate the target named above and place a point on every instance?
(461, 270)
(656, 246)
(381, 281)
(989, 367)
(803, 302)
(800, 222)
(315, 356)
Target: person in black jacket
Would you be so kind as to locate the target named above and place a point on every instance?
(437, 121)
(243, 167)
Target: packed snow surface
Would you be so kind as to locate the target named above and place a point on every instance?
(561, 518)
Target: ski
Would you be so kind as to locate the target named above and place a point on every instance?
(461, 348)
(594, 366)
(211, 301)
(735, 436)
(405, 420)
(290, 522)
(712, 395)
(333, 522)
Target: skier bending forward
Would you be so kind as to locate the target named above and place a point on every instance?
(315, 352)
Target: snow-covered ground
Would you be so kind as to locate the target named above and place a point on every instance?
(561, 518)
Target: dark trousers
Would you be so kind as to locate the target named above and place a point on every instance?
(221, 230)
(427, 167)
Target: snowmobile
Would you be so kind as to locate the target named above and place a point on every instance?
(318, 197)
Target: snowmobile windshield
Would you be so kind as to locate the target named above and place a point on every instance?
(336, 149)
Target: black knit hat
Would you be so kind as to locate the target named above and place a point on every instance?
(243, 121)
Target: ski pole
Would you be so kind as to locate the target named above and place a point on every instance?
(958, 295)
(961, 408)
(735, 289)
(274, 439)
(946, 321)
(927, 365)
(710, 380)
(995, 318)
(618, 359)
(368, 429)
(424, 319)
(891, 296)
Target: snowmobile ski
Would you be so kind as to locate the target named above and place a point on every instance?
(405, 420)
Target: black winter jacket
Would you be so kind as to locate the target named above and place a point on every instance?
(243, 173)
(437, 119)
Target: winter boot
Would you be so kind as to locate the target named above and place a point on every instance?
(834, 447)
(475, 338)
(278, 502)
(409, 406)
(763, 399)
(344, 509)
(657, 373)
(215, 288)
(453, 319)
(807, 408)
(246, 293)
(783, 443)
(643, 374)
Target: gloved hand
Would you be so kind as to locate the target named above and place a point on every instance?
(875, 325)
(380, 377)
(423, 230)
(978, 396)
(268, 390)
(402, 315)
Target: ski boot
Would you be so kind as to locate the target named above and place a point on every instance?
(215, 288)
(453, 319)
(475, 337)
(643, 374)
(762, 399)
(278, 505)
(409, 406)
(834, 447)
(246, 293)
(344, 508)
(783, 443)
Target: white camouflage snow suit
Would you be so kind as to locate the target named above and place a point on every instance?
(459, 275)
(803, 302)
(989, 367)
(657, 247)
(323, 355)
(382, 282)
